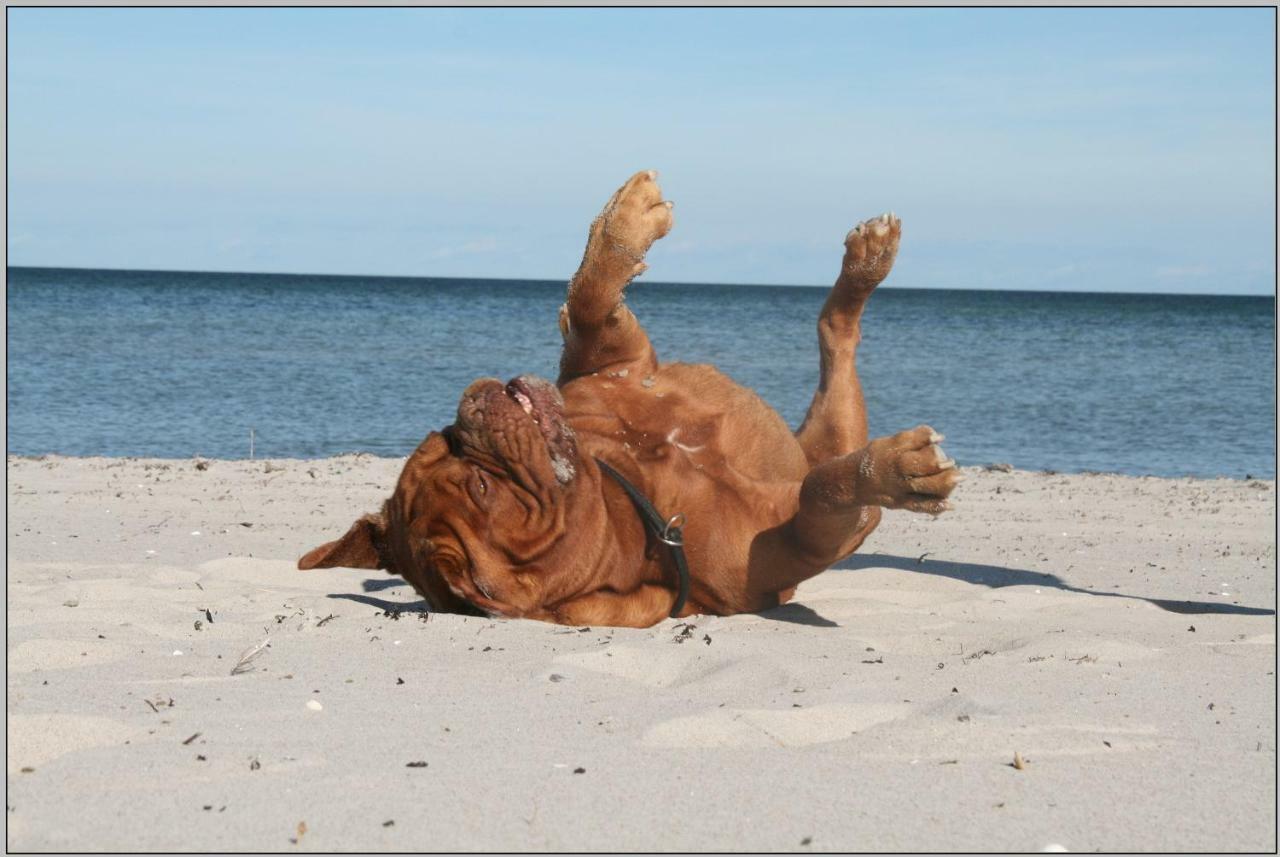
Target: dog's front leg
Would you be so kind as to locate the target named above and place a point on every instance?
(599, 330)
(645, 606)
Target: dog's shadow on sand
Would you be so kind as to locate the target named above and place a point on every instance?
(375, 585)
(998, 577)
(991, 576)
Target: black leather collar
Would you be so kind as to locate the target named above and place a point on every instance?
(668, 531)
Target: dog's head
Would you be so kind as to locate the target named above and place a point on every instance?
(480, 506)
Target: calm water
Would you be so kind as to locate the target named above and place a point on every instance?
(181, 364)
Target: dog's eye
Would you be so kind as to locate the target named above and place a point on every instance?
(477, 487)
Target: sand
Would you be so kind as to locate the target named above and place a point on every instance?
(1116, 634)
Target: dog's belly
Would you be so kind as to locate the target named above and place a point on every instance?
(698, 444)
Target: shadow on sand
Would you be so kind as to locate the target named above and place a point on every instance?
(798, 614)
(994, 577)
(991, 576)
(377, 585)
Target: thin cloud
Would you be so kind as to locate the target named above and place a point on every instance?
(1178, 271)
(479, 246)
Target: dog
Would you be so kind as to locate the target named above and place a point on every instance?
(632, 490)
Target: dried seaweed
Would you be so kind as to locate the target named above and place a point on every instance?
(246, 659)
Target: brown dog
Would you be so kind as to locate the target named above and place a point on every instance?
(515, 509)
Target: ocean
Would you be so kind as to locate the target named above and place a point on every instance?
(175, 365)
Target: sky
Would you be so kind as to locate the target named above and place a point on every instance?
(1128, 150)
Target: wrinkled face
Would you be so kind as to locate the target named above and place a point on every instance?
(481, 503)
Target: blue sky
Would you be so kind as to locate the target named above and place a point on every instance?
(1087, 149)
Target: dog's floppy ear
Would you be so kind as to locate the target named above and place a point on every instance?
(361, 547)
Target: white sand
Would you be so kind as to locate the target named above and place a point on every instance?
(881, 710)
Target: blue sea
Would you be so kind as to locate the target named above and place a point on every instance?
(174, 365)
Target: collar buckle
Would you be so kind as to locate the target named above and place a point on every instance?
(673, 533)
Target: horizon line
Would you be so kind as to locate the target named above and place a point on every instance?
(313, 275)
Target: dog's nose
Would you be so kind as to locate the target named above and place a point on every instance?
(477, 385)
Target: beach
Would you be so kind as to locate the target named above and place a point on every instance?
(1080, 662)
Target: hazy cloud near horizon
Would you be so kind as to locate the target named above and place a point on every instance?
(1086, 149)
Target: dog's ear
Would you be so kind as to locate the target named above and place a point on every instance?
(361, 547)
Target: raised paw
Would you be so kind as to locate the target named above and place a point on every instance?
(869, 251)
(908, 471)
(633, 218)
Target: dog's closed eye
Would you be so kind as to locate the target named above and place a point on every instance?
(478, 487)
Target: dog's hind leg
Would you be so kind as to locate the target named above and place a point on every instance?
(599, 330)
(836, 423)
(840, 504)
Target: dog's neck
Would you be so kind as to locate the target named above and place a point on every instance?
(612, 537)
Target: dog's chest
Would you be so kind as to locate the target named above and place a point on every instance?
(687, 420)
